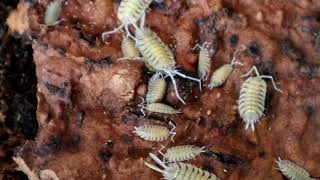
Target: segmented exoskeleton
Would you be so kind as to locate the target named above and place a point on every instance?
(181, 153)
(180, 170)
(52, 13)
(129, 13)
(252, 98)
(155, 132)
(159, 56)
(157, 108)
(156, 89)
(292, 171)
(204, 60)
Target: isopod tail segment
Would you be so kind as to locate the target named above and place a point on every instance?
(254, 68)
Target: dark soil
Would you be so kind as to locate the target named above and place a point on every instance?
(18, 100)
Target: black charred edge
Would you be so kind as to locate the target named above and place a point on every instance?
(103, 63)
(226, 159)
(160, 117)
(80, 118)
(105, 154)
(290, 50)
(76, 139)
(309, 109)
(253, 49)
(310, 70)
(61, 50)
(56, 90)
(268, 101)
(88, 38)
(162, 6)
(265, 67)
(126, 139)
(233, 40)
(53, 144)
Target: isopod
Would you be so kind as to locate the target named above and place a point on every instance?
(159, 56)
(252, 97)
(180, 170)
(156, 89)
(221, 74)
(292, 171)
(129, 49)
(52, 13)
(154, 132)
(181, 153)
(158, 108)
(130, 12)
(204, 60)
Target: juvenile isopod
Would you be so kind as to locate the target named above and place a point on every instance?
(156, 89)
(252, 98)
(292, 171)
(221, 74)
(52, 13)
(154, 132)
(159, 56)
(129, 13)
(204, 60)
(158, 108)
(129, 49)
(181, 153)
(180, 170)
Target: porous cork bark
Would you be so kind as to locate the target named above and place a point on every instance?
(87, 101)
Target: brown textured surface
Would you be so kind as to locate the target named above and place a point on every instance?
(85, 127)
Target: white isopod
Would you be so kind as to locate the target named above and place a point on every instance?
(159, 56)
(129, 13)
(180, 170)
(252, 98)
(158, 108)
(155, 132)
(221, 74)
(156, 89)
(52, 13)
(204, 60)
(292, 171)
(181, 153)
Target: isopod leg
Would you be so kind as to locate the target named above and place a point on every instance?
(188, 77)
(173, 126)
(175, 87)
(173, 135)
(129, 33)
(160, 150)
(154, 167)
(156, 159)
(254, 68)
(112, 32)
(272, 80)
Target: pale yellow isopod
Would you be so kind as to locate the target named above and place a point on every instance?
(220, 75)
